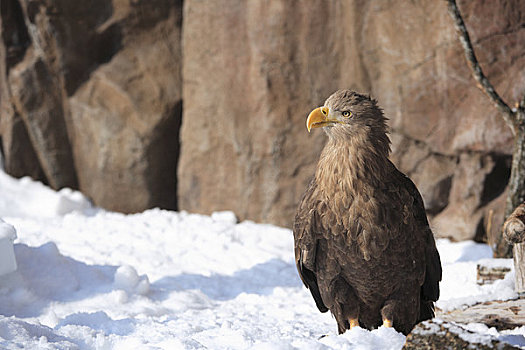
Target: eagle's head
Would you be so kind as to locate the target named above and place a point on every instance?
(348, 116)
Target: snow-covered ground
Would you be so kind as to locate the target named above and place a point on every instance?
(92, 279)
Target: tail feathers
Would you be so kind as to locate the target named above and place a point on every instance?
(426, 310)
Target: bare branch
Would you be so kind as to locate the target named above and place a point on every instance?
(483, 83)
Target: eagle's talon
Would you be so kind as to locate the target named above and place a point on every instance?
(387, 323)
(354, 322)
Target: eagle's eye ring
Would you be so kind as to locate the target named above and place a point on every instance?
(346, 114)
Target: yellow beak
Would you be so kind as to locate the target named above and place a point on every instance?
(318, 118)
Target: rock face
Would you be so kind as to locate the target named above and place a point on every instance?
(246, 95)
(253, 70)
(91, 98)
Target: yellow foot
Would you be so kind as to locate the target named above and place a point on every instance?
(354, 322)
(387, 323)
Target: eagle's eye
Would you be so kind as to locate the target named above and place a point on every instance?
(347, 114)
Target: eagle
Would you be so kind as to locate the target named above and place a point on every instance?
(363, 245)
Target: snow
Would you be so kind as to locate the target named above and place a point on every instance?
(459, 287)
(7, 255)
(93, 279)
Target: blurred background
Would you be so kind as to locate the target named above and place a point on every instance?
(201, 105)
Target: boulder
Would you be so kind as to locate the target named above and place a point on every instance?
(34, 139)
(42, 111)
(124, 120)
(97, 85)
(19, 156)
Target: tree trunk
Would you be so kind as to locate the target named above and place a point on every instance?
(515, 197)
(514, 233)
(516, 194)
(519, 268)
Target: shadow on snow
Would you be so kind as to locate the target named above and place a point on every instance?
(260, 279)
(44, 276)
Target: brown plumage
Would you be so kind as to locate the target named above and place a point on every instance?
(363, 246)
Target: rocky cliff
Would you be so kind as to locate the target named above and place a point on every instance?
(91, 96)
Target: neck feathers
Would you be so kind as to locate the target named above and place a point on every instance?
(348, 163)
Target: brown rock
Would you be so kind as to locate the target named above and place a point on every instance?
(471, 193)
(437, 334)
(431, 172)
(42, 111)
(19, 156)
(252, 71)
(124, 119)
(422, 80)
(98, 87)
(28, 92)
(256, 69)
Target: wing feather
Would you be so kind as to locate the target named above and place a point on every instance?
(306, 238)
(433, 272)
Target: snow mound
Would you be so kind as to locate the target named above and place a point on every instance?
(359, 338)
(27, 198)
(127, 279)
(225, 216)
(17, 334)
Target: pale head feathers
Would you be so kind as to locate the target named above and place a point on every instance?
(367, 122)
(357, 150)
